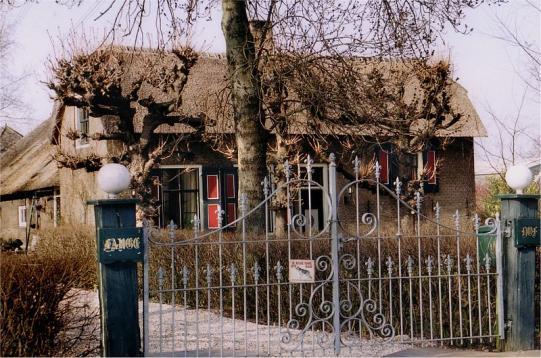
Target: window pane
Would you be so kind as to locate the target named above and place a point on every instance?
(170, 179)
(189, 208)
(189, 179)
(317, 174)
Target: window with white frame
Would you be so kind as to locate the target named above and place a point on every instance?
(22, 216)
(178, 193)
(311, 199)
(82, 126)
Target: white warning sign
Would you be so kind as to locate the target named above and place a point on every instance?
(302, 271)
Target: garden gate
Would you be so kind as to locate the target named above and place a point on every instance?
(354, 283)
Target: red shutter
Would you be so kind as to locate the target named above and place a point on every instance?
(230, 185)
(212, 215)
(431, 166)
(213, 191)
(384, 162)
(231, 212)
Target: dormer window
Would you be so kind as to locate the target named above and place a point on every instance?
(81, 123)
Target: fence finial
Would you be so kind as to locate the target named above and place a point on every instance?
(418, 201)
(377, 168)
(287, 169)
(356, 166)
(397, 186)
(437, 210)
(185, 275)
(196, 222)
(243, 203)
(171, 229)
(265, 183)
(279, 268)
(220, 214)
(456, 216)
(476, 222)
(332, 158)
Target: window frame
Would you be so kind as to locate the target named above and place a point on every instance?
(79, 113)
(200, 213)
(22, 213)
(325, 190)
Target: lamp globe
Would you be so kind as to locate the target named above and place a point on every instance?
(518, 177)
(113, 179)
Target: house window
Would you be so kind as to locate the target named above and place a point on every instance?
(179, 196)
(82, 126)
(22, 216)
(407, 167)
(311, 199)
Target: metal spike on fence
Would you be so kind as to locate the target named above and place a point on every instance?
(456, 216)
(279, 268)
(287, 169)
(265, 183)
(356, 166)
(256, 269)
(449, 263)
(476, 222)
(468, 260)
(232, 273)
(243, 203)
(410, 266)
(196, 222)
(487, 261)
(185, 275)
(389, 263)
(160, 278)
(171, 229)
(309, 161)
(221, 214)
(397, 186)
(418, 201)
(437, 211)
(377, 170)
(209, 274)
(429, 261)
(369, 266)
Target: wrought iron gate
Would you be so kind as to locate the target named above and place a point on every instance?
(363, 282)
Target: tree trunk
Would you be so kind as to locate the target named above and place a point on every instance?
(250, 133)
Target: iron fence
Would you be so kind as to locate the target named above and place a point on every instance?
(320, 289)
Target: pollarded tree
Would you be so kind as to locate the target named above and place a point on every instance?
(127, 90)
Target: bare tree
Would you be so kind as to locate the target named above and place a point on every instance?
(119, 87)
(10, 97)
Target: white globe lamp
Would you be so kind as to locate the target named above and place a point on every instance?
(113, 179)
(518, 177)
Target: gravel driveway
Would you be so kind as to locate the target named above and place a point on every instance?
(205, 333)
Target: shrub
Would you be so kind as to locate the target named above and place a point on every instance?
(43, 312)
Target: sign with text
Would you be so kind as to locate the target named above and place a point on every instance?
(302, 271)
(120, 244)
(527, 232)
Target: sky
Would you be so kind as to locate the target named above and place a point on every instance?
(490, 69)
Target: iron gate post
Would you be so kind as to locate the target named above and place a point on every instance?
(518, 272)
(335, 254)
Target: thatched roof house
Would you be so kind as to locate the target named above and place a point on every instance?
(206, 94)
(28, 165)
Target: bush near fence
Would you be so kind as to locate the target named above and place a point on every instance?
(256, 250)
(42, 308)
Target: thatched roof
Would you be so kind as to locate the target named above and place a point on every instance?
(206, 87)
(28, 165)
(8, 137)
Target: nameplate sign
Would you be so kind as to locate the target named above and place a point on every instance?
(120, 244)
(527, 232)
(302, 271)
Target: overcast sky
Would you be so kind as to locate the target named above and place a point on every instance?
(489, 68)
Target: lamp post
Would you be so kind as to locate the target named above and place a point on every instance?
(119, 247)
(520, 220)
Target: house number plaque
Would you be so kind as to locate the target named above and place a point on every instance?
(527, 232)
(120, 244)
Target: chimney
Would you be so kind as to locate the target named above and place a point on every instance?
(257, 27)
